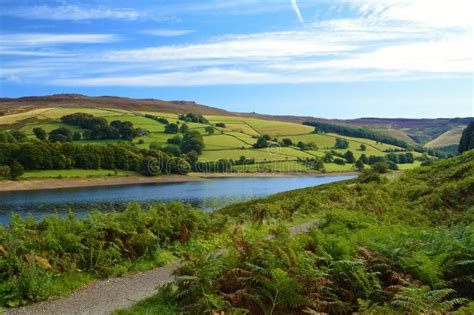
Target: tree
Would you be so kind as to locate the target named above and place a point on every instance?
(467, 139)
(349, 156)
(172, 150)
(5, 171)
(60, 135)
(76, 136)
(19, 135)
(261, 143)
(392, 157)
(192, 141)
(191, 117)
(40, 133)
(380, 167)
(363, 147)
(392, 165)
(364, 158)
(175, 140)
(171, 128)
(221, 125)
(301, 145)
(184, 128)
(328, 157)
(341, 143)
(287, 142)
(209, 130)
(16, 169)
(359, 165)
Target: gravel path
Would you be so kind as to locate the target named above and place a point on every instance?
(103, 296)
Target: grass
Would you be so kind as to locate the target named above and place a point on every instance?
(15, 118)
(28, 129)
(213, 142)
(225, 143)
(374, 241)
(280, 154)
(450, 137)
(74, 173)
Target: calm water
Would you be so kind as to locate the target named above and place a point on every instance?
(209, 195)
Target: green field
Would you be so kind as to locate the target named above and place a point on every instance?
(450, 137)
(231, 142)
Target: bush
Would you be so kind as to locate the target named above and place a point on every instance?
(35, 253)
(380, 167)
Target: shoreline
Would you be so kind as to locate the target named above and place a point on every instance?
(287, 174)
(64, 183)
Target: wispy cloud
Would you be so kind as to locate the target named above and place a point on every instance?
(167, 33)
(379, 40)
(71, 12)
(294, 4)
(48, 39)
(263, 46)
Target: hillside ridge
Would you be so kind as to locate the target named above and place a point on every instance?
(411, 130)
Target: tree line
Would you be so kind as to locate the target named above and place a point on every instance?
(98, 128)
(15, 158)
(356, 132)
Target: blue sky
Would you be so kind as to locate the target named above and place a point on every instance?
(334, 59)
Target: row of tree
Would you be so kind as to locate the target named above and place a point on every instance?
(98, 128)
(355, 132)
(44, 155)
(192, 117)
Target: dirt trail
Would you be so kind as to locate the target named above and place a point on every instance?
(103, 296)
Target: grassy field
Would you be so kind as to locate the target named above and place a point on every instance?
(450, 137)
(231, 142)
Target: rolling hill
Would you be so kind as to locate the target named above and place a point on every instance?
(423, 132)
(232, 138)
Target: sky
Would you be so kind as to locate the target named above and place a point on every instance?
(331, 59)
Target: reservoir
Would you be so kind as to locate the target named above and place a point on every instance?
(208, 195)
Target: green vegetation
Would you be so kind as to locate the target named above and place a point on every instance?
(51, 257)
(273, 145)
(392, 245)
(36, 155)
(467, 140)
(74, 173)
(448, 138)
(356, 132)
(400, 243)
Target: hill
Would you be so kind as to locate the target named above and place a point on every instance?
(78, 100)
(401, 245)
(412, 131)
(290, 147)
(449, 138)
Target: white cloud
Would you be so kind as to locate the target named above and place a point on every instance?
(213, 76)
(71, 12)
(429, 13)
(168, 33)
(42, 40)
(452, 55)
(294, 4)
(245, 47)
(382, 40)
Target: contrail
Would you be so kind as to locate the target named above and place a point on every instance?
(297, 10)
